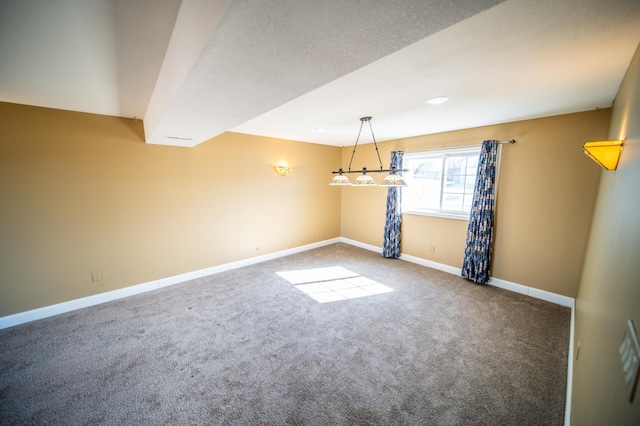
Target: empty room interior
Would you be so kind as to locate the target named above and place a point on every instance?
(172, 250)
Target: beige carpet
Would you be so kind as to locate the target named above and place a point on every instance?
(249, 347)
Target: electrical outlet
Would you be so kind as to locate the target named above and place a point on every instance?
(578, 351)
(630, 358)
(96, 276)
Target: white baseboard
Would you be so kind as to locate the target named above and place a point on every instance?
(72, 305)
(558, 299)
(176, 279)
(496, 282)
(85, 302)
(430, 264)
(567, 405)
(361, 245)
(60, 308)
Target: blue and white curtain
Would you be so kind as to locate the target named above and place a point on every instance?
(477, 254)
(391, 241)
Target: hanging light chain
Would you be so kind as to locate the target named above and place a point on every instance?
(394, 179)
(357, 139)
(368, 119)
(364, 169)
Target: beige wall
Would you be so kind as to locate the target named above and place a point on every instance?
(546, 194)
(610, 287)
(82, 193)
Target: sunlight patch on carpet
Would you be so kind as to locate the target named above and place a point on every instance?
(333, 283)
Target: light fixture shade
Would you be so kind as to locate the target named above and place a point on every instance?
(365, 180)
(282, 169)
(340, 180)
(605, 153)
(393, 180)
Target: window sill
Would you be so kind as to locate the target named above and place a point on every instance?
(444, 215)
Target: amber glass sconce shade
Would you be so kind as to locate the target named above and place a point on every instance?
(605, 153)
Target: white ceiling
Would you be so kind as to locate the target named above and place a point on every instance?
(193, 69)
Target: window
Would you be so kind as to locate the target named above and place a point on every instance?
(441, 182)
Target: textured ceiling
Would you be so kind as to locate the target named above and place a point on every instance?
(193, 69)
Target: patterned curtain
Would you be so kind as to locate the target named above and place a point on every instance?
(391, 242)
(477, 254)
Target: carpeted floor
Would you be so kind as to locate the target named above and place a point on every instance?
(247, 347)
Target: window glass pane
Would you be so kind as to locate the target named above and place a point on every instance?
(440, 181)
(455, 177)
(468, 202)
(418, 195)
(452, 201)
(456, 165)
(426, 168)
(472, 164)
(424, 177)
(470, 183)
(454, 184)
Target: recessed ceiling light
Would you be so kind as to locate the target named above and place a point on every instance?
(319, 130)
(438, 100)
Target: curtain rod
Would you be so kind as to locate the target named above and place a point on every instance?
(510, 141)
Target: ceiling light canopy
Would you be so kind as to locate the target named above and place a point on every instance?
(393, 179)
(605, 153)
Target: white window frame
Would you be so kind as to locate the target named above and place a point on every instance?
(438, 153)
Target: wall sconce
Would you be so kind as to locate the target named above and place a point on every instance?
(283, 170)
(605, 153)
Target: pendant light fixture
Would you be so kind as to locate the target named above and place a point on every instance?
(393, 179)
